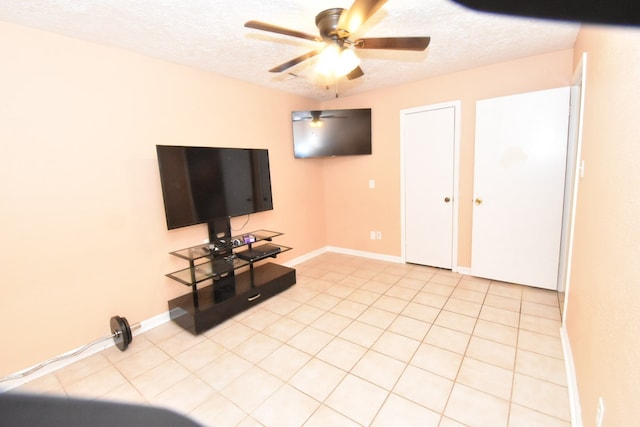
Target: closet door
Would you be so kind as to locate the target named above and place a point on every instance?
(519, 174)
(429, 146)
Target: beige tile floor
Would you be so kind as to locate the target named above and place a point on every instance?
(356, 342)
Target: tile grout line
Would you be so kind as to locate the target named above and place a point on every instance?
(406, 365)
(515, 360)
(396, 315)
(455, 380)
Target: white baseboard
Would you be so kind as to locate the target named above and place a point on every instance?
(371, 255)
(65, 359)
(153, 322)
(41, 369)
(305, 257)
(345, 251)
(572, 383)
(463, 270)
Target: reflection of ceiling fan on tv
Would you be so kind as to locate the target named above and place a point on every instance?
(335, 26)
(315, 117)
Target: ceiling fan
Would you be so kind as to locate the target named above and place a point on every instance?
(335, 27)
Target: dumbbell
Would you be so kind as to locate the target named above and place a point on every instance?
(121, 332)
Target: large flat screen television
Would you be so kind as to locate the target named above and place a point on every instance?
(331, 133)
(205, 184)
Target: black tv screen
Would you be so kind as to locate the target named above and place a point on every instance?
(202, 184)
(330, 133)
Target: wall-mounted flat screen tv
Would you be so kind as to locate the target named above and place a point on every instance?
(203, 184)
(330, 133)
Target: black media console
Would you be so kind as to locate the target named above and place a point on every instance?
(231, 281)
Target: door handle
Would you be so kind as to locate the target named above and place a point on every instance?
(478, 201)
(447, 199)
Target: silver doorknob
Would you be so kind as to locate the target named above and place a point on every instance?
(478, 201)
(447, 199)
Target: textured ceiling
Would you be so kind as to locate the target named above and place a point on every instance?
(210, 35)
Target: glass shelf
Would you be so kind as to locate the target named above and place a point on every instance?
(201, 251)
(214, 264)
(260, 235)
(207, 270)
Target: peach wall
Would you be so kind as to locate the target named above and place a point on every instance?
(86, 118)
(346, 180)
(82, 220)
(603, 318)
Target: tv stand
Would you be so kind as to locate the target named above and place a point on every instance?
(223, 278)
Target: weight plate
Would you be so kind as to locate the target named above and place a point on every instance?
(121, 332)
(127, 330)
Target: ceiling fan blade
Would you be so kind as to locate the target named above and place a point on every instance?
(358, 13)
(257, 25)
(396, 43)
(355, 73)
(295, 61)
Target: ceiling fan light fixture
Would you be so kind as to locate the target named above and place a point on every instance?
(327, 60)
(348, 61)
(336, 61)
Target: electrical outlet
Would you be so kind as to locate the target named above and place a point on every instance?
(378, 235)
(600, 413)
(372, 235)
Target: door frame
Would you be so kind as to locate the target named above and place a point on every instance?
(456, 105)
(575, 171)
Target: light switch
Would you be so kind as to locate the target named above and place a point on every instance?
(372, 183)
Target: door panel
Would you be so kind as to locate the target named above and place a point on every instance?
(519, 173)
(429, 143)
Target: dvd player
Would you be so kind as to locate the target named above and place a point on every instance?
(258, 252)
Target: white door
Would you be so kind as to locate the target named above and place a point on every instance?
(430, 186)
(519, 174)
